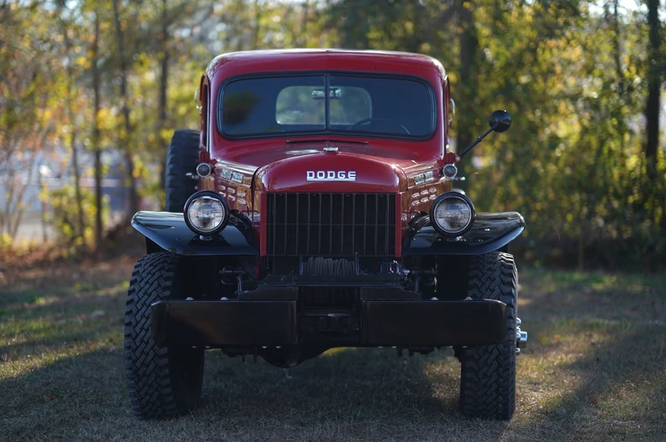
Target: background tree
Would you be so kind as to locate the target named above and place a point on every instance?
(583, 79)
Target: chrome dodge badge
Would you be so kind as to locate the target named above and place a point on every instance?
(331, 175)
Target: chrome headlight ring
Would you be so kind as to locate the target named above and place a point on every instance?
(452, 214)
(206, 213)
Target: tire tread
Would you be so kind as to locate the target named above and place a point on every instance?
(488, 373)
(150, 380)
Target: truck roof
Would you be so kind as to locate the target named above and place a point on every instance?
(237, 63)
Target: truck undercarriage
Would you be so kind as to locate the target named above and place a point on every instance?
(332, 306)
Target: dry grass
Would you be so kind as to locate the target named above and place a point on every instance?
(595, 370)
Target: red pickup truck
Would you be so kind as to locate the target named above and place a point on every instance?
(314, 208)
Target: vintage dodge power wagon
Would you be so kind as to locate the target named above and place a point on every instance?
(314, 208)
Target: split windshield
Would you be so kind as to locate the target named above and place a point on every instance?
(327, 103)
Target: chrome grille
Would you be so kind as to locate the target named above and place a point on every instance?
(330, 224)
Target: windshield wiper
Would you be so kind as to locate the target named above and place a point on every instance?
(299, 141)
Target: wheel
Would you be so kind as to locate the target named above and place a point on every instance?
(182, 158)
(163, 381)
(378, 120)
(488, 372)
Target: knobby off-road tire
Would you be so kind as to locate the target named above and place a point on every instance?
(182, 158)
(488, 372)
(163, 381)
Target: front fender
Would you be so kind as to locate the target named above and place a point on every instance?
(169, 231)
(490, 232)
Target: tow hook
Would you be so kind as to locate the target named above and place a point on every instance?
(521, 337)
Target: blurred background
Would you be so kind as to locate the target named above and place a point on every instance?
(91, 91)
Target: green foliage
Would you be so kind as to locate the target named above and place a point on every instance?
(573, 164)
(573, 75)
(64, 219)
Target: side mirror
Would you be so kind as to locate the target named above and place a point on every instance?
(500, 121)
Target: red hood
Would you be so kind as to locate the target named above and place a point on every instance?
(307, 167)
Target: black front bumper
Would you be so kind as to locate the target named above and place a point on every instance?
(402, 323)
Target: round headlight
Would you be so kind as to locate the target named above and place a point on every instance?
(206, 213)
(452, 213)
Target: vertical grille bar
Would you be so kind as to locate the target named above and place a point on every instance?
(342, 224)
(387, 224)
(297, 218)
(353, 224)
(319, 220)
(330, 223)
(272, 204)
(376, 223)
(286, 222)
(307, 249)
(365, 221)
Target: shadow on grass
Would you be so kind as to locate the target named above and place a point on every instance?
(591, 373)
(85, 334)
(342, 395)
(612, 390)
(598, 349)
(59, 322)
(63, 396)
(345, 395)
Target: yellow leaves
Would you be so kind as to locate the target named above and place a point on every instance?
(140, 169)
(105, 119)
(83, 62)
(5, 240)
(165, 134)
(142, 58)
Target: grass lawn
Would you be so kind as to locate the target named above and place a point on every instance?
(595, 370)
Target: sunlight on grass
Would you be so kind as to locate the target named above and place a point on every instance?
(45, 300)
(593, 371)
(45, 326)
(336, 351)
(35, 356)
(557, 280)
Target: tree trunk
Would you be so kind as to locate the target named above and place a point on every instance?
(125, 139)
(77, 173)
(99, 226)
(415, 37)
(163, 98)
(75, 151)
(255, 29)
(652, 185)
(617, 48)
(469, 47)
(80, 224)
(654, 85)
